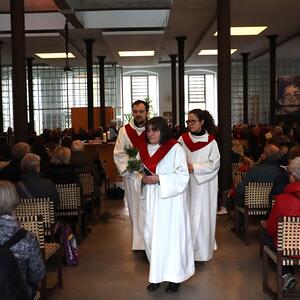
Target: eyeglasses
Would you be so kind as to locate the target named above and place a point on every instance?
(192, 122)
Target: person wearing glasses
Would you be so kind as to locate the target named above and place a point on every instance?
(203, 159)
(289, 97)
(167, 234)
(131, 136)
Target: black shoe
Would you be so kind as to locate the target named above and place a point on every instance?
(153, 286)
(172, 287)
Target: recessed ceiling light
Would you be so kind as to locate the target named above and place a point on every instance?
(245, 30)
(54, 55)
(136, 53)
(213, 51)
(133, 32)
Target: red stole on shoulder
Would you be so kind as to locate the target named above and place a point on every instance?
(150, 162)
(135, 139)
(198, 145)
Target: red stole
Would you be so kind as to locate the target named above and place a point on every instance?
(135, 139)
(198, 145)
(150, 162)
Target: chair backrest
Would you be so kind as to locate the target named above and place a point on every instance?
(288, 236)
(34, 224)
(70, 200)
(87, 184)
(257, 195)
(38, 206)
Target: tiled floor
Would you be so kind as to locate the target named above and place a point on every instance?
(109, 270)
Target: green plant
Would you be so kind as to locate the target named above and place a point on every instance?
(151, 111)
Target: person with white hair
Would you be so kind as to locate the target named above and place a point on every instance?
(27, 250)
(286, 204)
(32, 185)
(12, 171)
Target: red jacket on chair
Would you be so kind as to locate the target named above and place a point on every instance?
(286, 204)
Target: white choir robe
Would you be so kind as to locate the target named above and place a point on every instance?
(203, 193)
(168, 242)
(131, 185)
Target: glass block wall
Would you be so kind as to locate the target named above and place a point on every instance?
(56, 91)
(258, 88)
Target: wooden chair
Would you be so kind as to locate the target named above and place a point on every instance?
(256, 205)
(50, 251)
(38, 206)
(70, 205)
(88, 194)
(288, 244)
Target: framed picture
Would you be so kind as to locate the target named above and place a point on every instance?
(288, 95)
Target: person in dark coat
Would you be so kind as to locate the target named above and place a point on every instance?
(12, 171)
(32, 185)
(60, 170)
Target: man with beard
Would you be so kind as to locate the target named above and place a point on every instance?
(131, 136)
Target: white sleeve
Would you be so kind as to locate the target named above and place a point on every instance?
(175, 180)
(120, 155)
(206, 170)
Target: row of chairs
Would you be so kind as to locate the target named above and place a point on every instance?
(257, 205)
(38, 215)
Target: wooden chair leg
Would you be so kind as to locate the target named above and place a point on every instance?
(237, 221)
(246, 232)
(265, 271)
(279, 281)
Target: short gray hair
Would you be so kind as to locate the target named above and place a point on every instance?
(9, 198)
(19, 150)
(30, 162)
(294, 168)
(61, 155)
(77, 146)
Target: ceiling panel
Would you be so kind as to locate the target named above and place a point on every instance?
(31, 5)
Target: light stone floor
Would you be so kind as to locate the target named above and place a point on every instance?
(109, 270)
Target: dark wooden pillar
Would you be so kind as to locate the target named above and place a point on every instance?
(30, 92)
(174, 89)
(224, 92)
(1, 98)
(89, 75)
(180, 42)
(19, 69)
(102, 91)
(245, 87)
(272, 43)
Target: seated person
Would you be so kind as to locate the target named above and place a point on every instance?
(286, 204)
(283, 178)
(12, 171)
(60, 170)
(32, 185)
(266, 171)
(27, 251)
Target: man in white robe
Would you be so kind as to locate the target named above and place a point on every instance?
(130, 135)
(203, 188)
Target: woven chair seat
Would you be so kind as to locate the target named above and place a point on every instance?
(38, 206)
(50, 249)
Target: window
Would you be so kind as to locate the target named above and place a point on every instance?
(200, 92)
(140, 87)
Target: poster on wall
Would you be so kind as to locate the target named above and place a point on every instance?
(288, 95)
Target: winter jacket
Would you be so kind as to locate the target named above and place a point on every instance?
(286, 204)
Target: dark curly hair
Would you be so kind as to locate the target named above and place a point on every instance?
(159, 123)
(209, 122)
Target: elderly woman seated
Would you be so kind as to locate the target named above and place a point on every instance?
(60, 170)
(286, 204)
(26, 251)
(32, 185)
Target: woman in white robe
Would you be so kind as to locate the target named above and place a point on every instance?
(167, 233)
(203, 159)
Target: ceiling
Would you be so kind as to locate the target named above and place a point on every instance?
(149, 25)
